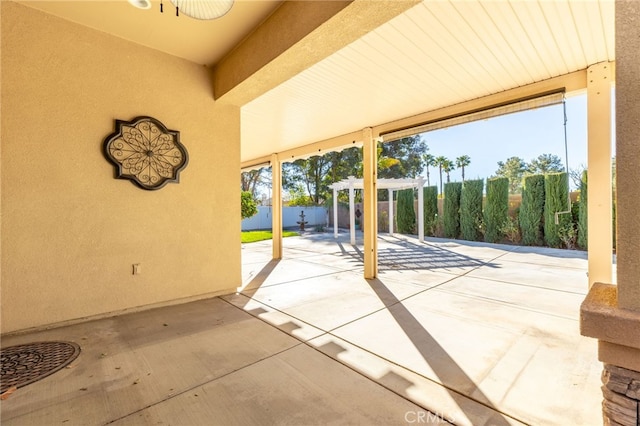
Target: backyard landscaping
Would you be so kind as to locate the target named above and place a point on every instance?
(253, 236)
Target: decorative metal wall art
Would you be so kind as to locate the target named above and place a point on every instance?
(144, 151)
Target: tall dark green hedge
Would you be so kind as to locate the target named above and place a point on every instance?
(471, 209)
(556, 190)
(531, 215)
(582, 213)
(496, 209)
(451, 209)
(406, 217)
(430, 209)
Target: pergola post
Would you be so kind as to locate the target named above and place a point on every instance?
(420, 209)
(335, 213)
(390, 211)
(370, 203)
(352, 213)
(276, 206)
(599, 200)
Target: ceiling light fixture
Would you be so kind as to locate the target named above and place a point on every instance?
(201, 9)
(141, 4)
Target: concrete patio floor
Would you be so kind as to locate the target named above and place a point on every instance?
(451, 331)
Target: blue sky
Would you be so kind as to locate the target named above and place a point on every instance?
(525, 134)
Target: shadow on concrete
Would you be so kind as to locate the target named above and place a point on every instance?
(410, 256)
(443, 365)
(260, 277)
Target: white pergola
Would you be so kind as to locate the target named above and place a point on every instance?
(389, 184)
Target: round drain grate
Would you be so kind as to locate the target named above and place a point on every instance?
(25, 364)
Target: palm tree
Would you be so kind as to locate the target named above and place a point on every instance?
(441, 161)
(462, 162)
(448, 166)
(429, 160)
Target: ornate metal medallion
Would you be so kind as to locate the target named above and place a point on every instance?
(146, 152)
(24, 364)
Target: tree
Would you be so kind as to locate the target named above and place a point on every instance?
(545, 163)
(583, 236)
(496, 210)
(557, 206)
(531, 216)
(429, 160)
(441, 161)
(471, 209)
(250, 180)
(451, 209)
(406, 217)
(576, 175)
(513, 169)
(408, 153)
(448, 167)
(462, 162)
(248, 206)
(310, 173)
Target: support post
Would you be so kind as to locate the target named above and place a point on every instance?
(370, 204)
(352, 213)
(420, 209)
(276, 206)
(390, 211)
(335, 213)
(627, 157)
(599, 223)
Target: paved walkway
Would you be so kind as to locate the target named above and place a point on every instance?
(459, 332)
(478, 333)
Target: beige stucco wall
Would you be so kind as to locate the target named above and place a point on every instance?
(70, 231)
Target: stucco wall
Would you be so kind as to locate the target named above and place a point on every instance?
(70, 231)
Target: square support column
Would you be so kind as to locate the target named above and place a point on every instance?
(611, 313)
(628, 154)
(420, 209)
(335, 213)
(276, 206)
(390, 211)
(370, 203)
(600, 219)
(352, 213)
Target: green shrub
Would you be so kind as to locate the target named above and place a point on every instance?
(568, 235)
(556, 190)
(430, 209)
(531, 215)
(471, 209)
(451, 209)
(406, 219)
(496, 209)
(248, 206)
(583, 238)
(511, 230)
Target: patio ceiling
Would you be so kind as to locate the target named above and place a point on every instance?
(436, 54)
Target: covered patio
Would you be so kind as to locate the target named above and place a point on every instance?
(451, 331)
(90, 255)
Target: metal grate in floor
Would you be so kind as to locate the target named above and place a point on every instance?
(28, 363)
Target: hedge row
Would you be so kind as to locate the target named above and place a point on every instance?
(532, 210)
(471, 210)
(430, 208)
(496, 210)
(544, 197)
(406, 219)
(557, 208)
(451, 209)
